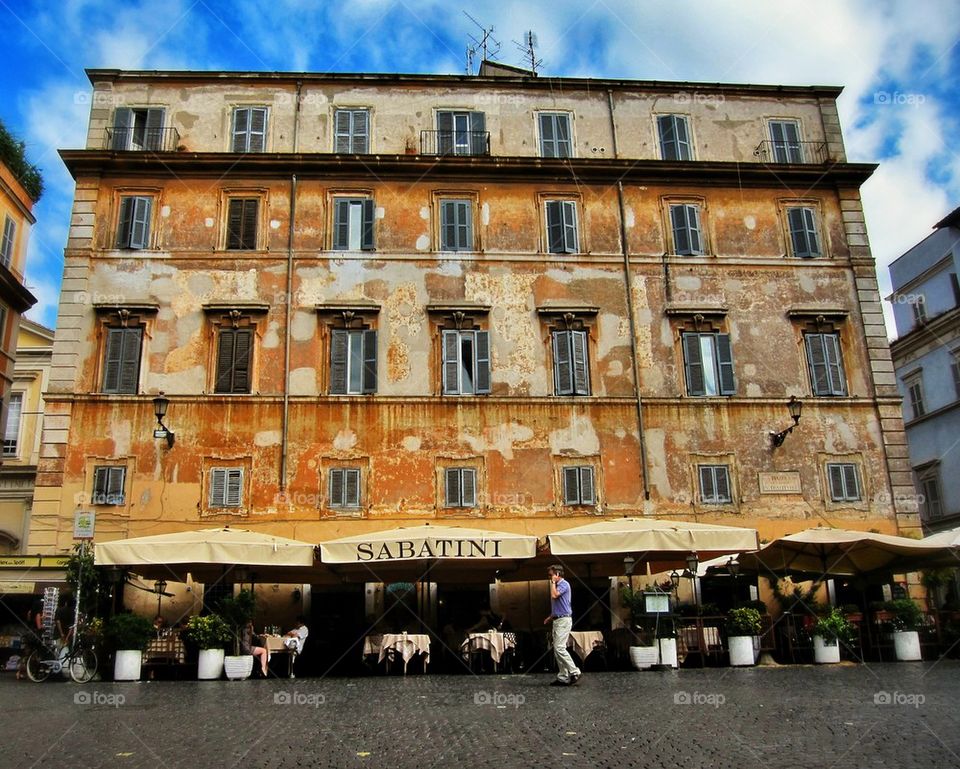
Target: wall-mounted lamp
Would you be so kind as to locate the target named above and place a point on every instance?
(629, 562)
(675, 577)
(160, 404)
(795, 407)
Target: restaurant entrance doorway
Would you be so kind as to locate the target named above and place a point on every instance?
(459, 608)
(336, 624)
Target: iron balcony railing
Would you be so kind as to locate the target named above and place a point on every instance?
(791, 152)
(455, 143)
(143, 139)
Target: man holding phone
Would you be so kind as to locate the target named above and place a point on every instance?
(561, 614)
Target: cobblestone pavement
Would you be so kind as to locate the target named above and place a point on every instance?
(883, 715)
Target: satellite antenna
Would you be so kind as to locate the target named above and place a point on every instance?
(528, 49)
(487, 44)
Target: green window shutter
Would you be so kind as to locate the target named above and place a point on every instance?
(816, 358)
(339, 350)
(366, 236)
(225, 354)
(153, 139)
(548, 138)
(342, 120)
(241, 360)
(235, 223)
(249, 224)
(482, 349)
(448, 225)
(693, 365)
(218, 487)
(708, 490)
(468, 487)
(835, 473)
(810, 226)
(693, 225)
(452, 487)
(834, 364)
(569, 210)
(115, 479)
(451, 362)
(241, 129)
(562, 362)
(337, 487)
(852, 482)
(233, 494)
(464, 239)
(122, 128)
(444, 133)
(113, 356)
(571, 486)
(586, 486)
(728, 384)
(258, 130)
(564, 142)
(361, 130)
(682, 138)
(479, 145)
(351, 492)
(341, 224)
(369, 361)
(554, 227)
(798, 233)
(581, 367)
(681, 235)
(129, 374)
(125, 222)
(722, 485)
(666, 127)
(140, 222)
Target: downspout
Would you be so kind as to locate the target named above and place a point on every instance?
(284, 440)
(613, 131)
(296, 119)
(628, 277)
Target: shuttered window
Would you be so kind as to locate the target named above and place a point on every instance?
(804, 239)
(462, 133)
(344, 487)
(353, 361)
(915, 395)
(226, 487)
(249, 129)
(137, 129)
(234, 354)
(578, 486)
(9, 237)
(108, 484)
(785, 139)
(460, 487)
(674, 137)
(715, 484)
(931, 495)
(844, 482)
(825, 364)
(242, 223)
(571, 365)
(11, 434)
(562, 227)
(121, 363)
(708, 364)
(351, 131)
(687, 236)
(466, 362)
(555, 139)
(133, 228)
(456, 225)
(353, 224)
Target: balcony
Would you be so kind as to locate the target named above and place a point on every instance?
(812, 153)
(137, 139)
(446, 143)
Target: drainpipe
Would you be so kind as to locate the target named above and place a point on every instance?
(296, 119)
(286, 334)
(613, 133)
(633, 341)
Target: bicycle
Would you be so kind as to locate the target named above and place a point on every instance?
(79, 659)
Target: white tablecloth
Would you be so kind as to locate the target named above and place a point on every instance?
(407, 645)
(494, 642)
(583, 642)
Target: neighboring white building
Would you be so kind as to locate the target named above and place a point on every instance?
(926, 357)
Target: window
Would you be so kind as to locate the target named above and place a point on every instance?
(955, 370)
(674, 137)
(462, 133)
(133, 229)
(226, 487)
(242, 223)
(249, 129)
(344, 487)
(466, 362)
(6, 246)
(555, 135)
(460, 485)
(571, 369)
(687, 237)
(708, 364)
(353, 361)
(562, 227)
(578, 486)
(955, 285)
(351, 131)
(456, 225)
(11, 435)
(121, 363)
(108, 485)
(234, 353)
(785, 140)
(919, 308)
(137, 129)
(804, 239)
(353, 224)
(844, 482)
(914, 385)
(715, 484)
(825, 364)
(931, 499)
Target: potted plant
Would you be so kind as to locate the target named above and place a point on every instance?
(829, 632)
(128, 635)
(660, 628)
(237, 611)
(210, 634)
(743, 631)
(852, 612)
(906, 620)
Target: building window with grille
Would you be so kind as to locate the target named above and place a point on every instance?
(571, 362)
(561, 216)
(11, 434)
(466, 362)
(460, 487)
(715, 484)
(226, 487)
(121, 359)
(844, 481)
(249, 129)
(242, 216)
(351, 131)
(234, 360)
(456, 225)
(353, 224)
(578, 485)
(133, 226)
(825, 364)
(804, 237)
(708, 364)
(674, 134)
(344, 488)
(555, 135)
(687, 232)
(785, 141)
(353, 361)
(108, 482)
(914, 385)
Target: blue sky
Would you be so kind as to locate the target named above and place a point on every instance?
(899, 63)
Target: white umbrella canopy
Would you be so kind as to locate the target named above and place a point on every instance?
(948, 538)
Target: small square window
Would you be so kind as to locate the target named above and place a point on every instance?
(351, 131)
(249, 129)
(226, 487)
(108, 481)
(844, 482)
(578, 485)
(344, 487)
(460, 487)
(715, 485)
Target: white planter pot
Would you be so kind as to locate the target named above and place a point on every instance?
(906, 644)
(645, 657)
(239, 667)
(668, 652)
(210, 665)
(824, 651)
(742, 650)
(126, 665)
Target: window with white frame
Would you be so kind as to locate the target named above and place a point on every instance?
(555, 135)
(562, 227)
(456, 225)
(344, 488)
(914, 386)
(353, 224)
(843, 479)
(108, 482)
(674, 134)
(11, 434)
(931, 499)
(466, 362)
(351, 131)
(571, 362)
(9, 238)
(804, 238)
(578, 485)
(687, 233)
(133, 225)
(785, 141)
(460, 487)
(353, 361)
(226, 487)
(249, 129)
(708, 364)
(715, 484)
(825, 364)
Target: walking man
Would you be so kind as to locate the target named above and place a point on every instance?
(561, 614)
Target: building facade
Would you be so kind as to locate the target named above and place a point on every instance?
(926, 356)
(506, 301)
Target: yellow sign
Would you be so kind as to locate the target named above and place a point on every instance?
(19, 588)
(19, 561)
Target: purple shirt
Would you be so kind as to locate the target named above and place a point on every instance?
(560, 607)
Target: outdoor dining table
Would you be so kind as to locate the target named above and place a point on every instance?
(493, 641)
(583, 642)
(407, 645)
(275, 645)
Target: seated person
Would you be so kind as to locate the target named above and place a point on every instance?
(488, 621)
(160, 625)
(294, 639)
(250, 643)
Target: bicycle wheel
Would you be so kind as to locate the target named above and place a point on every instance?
(37, 670)
(83, 665)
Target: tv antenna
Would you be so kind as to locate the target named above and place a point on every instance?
(528, 49)
(487, 44)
